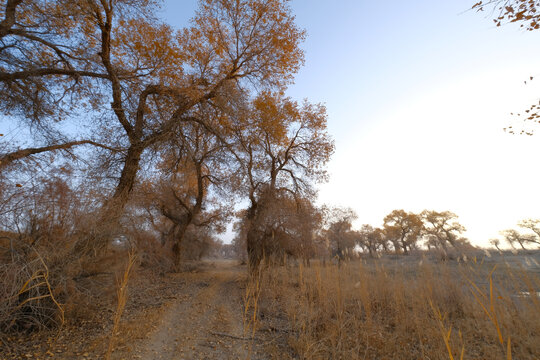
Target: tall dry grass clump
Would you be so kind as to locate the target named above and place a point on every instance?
(251, 296)
(45, 282)
(385, 309)
(27, 300)
(121, 302)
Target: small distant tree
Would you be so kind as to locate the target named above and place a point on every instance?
(496, 243)
(192, 168)
(514, 237)
(340, 237)
(282, 148)
(198, 242)
(442, 229)
(534, 226)
(371, 239)
(239, 242)
(226, 251)
(403, 229)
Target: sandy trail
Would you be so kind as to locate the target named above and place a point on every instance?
(204, 321)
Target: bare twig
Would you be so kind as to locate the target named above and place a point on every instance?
(233, 336)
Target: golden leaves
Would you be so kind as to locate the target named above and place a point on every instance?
(150, 47)
(250, 38)
(524, 11)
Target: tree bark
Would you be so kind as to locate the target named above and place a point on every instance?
(10, 17)
(112, 210)
(253, 241)
(125, 183)
(178, 236)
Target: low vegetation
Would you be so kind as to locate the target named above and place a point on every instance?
(407, 309)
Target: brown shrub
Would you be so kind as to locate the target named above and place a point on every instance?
(27, 299)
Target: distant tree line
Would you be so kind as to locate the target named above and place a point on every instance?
(329, 234)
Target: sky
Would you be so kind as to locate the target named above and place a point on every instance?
(418, 93)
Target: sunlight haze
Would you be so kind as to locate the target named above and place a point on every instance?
(269, 179)
(418, 94)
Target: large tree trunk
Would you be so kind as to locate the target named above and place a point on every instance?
(179, 233)
(116, 205)
(253, 239)
(397, 246)
(98, 236)
(404, 245)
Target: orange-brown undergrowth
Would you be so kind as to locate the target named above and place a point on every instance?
(393, 309)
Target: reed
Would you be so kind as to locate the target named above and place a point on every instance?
(388, 309)
(122, 299)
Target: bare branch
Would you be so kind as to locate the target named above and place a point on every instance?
(9, 19)
(20, 154)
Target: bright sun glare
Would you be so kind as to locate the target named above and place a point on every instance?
(418, 105)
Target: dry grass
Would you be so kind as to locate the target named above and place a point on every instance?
(251, 297)
(27, 299)
(415, 310)
(250, 314)
(121, 298)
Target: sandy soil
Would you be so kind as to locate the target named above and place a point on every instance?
(205, 320)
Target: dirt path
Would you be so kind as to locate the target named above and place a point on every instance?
(204, 321)
(196, 314)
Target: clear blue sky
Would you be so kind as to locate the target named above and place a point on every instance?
(417, 94)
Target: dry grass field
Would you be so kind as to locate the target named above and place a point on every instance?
(395, 307)
(410, 308)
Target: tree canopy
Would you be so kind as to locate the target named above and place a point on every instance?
(109, 91)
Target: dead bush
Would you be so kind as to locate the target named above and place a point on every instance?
(153, 255)
(27, 299)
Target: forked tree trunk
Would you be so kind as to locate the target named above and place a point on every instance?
(116, 205)
(177, 242)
